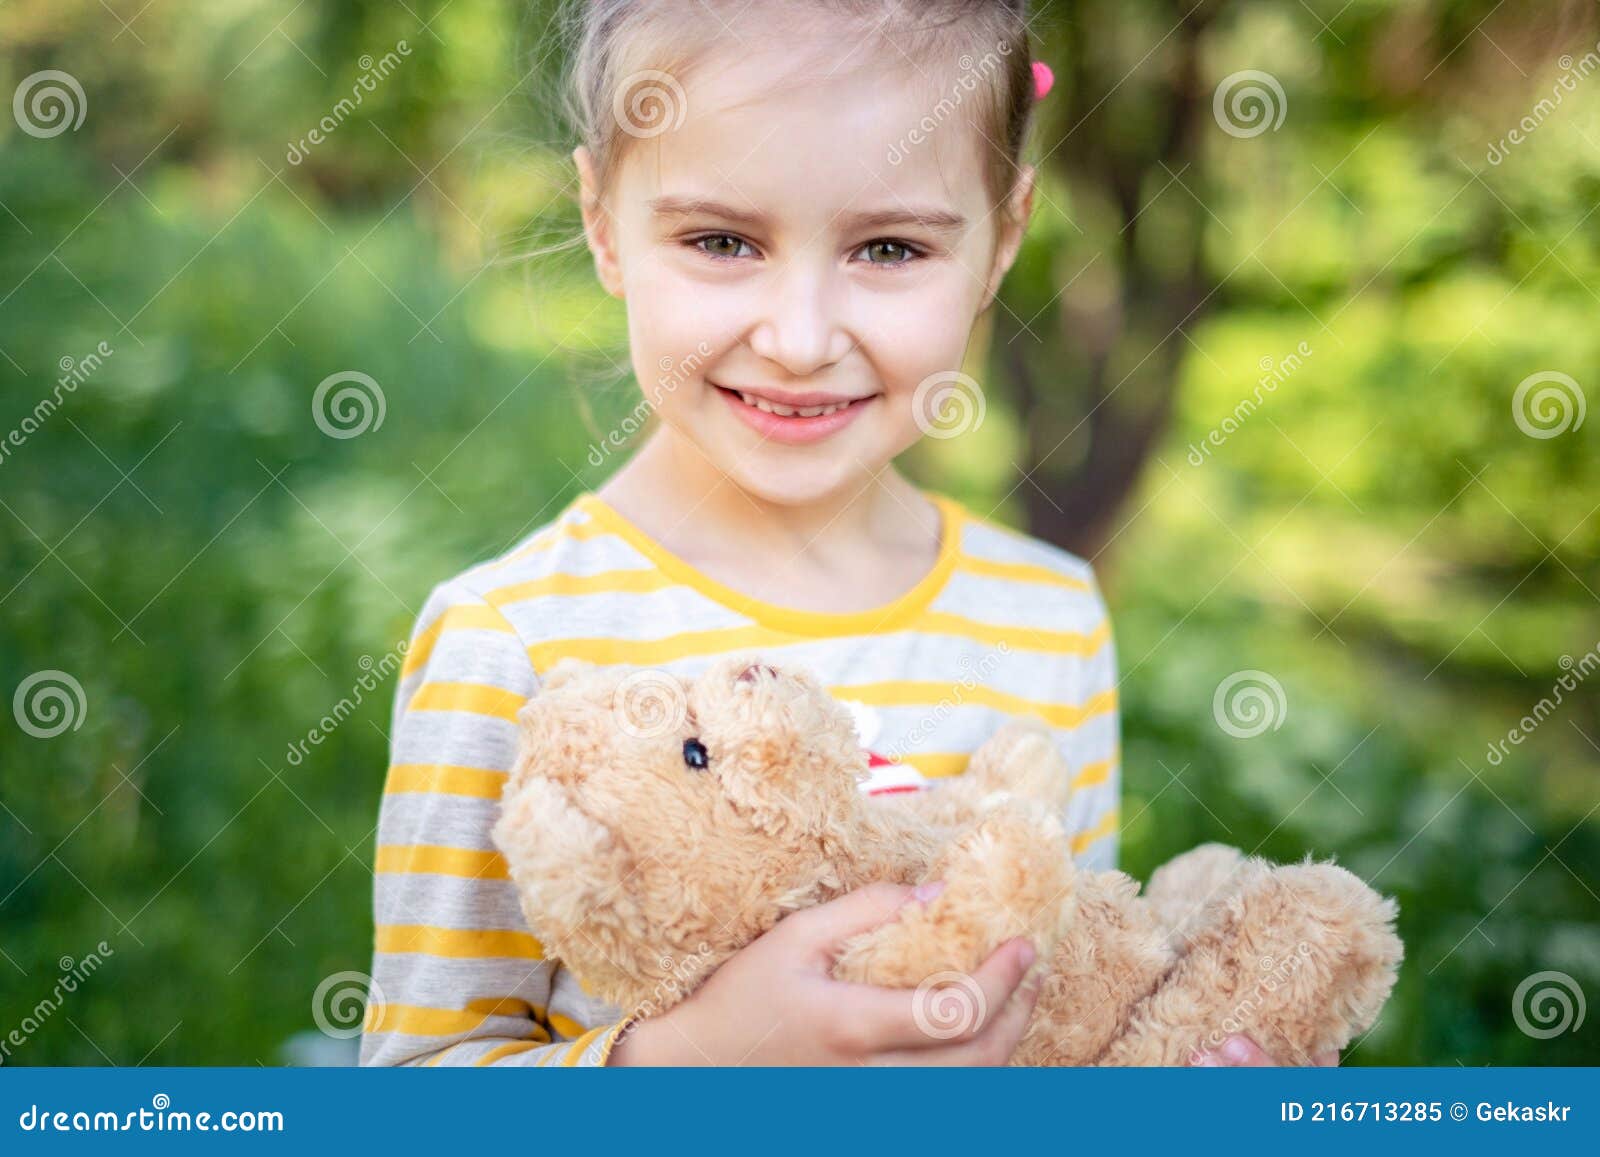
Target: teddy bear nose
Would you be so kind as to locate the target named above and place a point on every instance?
(751, 673)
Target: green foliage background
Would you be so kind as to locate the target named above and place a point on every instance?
(216, 573)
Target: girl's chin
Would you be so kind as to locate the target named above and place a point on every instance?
(802, 483)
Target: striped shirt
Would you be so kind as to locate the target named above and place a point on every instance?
(1002, 625)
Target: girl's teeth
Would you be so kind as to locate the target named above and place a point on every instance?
(790, 411)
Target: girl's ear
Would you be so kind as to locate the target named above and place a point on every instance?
(1013, 224)
(597, 224)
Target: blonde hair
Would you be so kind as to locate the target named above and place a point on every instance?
(632, 54)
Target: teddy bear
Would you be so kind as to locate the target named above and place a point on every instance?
(653, 825)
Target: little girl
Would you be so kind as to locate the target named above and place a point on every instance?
(805, 207)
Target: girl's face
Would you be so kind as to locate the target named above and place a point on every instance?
(795, 264)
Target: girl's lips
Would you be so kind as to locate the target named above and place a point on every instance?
(794, 430)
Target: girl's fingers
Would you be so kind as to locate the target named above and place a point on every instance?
(965, 1014)
(1240, 1052)
(820, 931)
(993, 1045)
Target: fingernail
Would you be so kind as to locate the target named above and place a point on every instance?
(1027, 955)
(1235, 1049)
(927, 891)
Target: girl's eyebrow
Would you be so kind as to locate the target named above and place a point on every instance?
(672, 206)
(932, 218)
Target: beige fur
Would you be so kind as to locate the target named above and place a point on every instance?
(643, 874)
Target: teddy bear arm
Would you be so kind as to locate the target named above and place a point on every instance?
(1008, 876)
(1114, 953)
(1186, 892)
(1019, 761)
(1301, 959)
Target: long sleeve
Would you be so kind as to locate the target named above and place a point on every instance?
(1093, 751)
(457, 977)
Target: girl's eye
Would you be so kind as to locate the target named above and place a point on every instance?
(694, 754)
(886, 252)
(720, 245)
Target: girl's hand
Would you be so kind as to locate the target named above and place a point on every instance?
(1240, 1052)
(775, 1002)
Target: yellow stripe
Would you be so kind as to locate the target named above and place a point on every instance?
(645, 580)
(652, 652)
(1093, 773)
(1105, 827)
(544, 540)
(1016, 638)
(576, 1051)
(415, 1020)
(1022, 572)
(563, 529)
(441, 861)
(478, 698)
(613, 1031)
(438, 1057)
(509, 1049)
(470, 943)
(631, 582)
(540, 1039)
(689, 644)
(465, 617)
(906, 693)
(445, 778)
(564, 1025)
(938, 764)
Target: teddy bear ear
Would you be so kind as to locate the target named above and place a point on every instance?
(568, 866)
(559, 735)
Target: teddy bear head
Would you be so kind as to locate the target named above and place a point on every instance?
(655, 824)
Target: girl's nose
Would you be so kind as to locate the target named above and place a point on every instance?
(799, 326)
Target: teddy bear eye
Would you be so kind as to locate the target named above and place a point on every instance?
(694, 754)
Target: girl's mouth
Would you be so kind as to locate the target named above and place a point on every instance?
(790, 423)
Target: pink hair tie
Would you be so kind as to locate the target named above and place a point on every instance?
(1043, 79)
